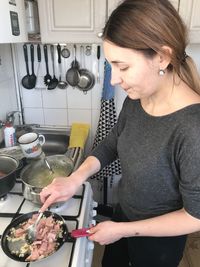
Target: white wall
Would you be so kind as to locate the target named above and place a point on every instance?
(194, 51)
(8, 101)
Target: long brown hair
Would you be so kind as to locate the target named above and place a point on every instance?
(148, 25)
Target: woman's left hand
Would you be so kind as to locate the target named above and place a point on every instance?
(106, 232)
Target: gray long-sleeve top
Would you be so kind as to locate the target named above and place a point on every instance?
(160, 160)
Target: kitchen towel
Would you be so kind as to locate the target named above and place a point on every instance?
(107, 120)
(79, 134)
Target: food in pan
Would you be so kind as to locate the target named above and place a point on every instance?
(48, 231)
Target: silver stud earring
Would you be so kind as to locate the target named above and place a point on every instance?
(161, 72)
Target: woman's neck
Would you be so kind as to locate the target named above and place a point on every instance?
(173, 95)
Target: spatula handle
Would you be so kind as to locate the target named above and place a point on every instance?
(26, 58)
(38, 53)
(59, 53)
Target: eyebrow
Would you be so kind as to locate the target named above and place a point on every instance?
(118, 61)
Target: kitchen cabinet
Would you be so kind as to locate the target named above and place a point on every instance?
(113, 3)
(12, 21)
(189, 10)
(67, 21)
(175, 3)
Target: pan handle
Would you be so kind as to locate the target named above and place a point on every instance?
(73, 153)
(80, 232)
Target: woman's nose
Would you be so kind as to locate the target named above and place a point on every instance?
(115, 78)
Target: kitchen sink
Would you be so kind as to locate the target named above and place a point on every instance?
(56, 139)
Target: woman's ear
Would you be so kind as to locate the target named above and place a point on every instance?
(165, 57)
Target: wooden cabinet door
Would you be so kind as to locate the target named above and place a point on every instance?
(190, 12)
(71, 21)
(113, 3)
(175, 3)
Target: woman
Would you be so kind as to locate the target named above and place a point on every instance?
(157, 139)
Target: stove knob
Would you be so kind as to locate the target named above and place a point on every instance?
(94, 204)
(94, 213)
(94, 222)
(90, 245)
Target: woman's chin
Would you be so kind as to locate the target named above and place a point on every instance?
(133, 95)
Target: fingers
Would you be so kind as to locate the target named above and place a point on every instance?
(47, 196)
(44, 194)
(48, 201)
(93, 229)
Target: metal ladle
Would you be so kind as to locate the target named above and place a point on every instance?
(61, 84)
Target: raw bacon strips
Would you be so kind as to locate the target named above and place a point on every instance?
(48, 231)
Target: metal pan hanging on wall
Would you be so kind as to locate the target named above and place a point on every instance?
(86, 81)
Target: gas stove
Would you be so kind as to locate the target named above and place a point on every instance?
(78, 212)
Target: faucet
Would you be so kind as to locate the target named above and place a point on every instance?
(10, 116)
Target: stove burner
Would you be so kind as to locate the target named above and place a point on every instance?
(3, 198)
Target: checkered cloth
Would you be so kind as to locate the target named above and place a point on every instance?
(107, 120)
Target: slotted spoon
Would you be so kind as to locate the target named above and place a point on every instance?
(47, 77)
(54, 81)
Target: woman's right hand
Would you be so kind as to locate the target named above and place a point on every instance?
(61, 189)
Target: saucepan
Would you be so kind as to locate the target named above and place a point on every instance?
(11, 245)
(86, 78)
(8, 169)
(37, 175)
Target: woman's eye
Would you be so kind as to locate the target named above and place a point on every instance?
(123, 69)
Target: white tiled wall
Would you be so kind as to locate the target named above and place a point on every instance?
(8, 100)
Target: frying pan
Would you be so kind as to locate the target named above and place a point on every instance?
(6, 244)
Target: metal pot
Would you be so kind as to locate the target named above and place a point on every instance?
(8, 168)
(86, 81)
(86, 78)
(36, 176)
